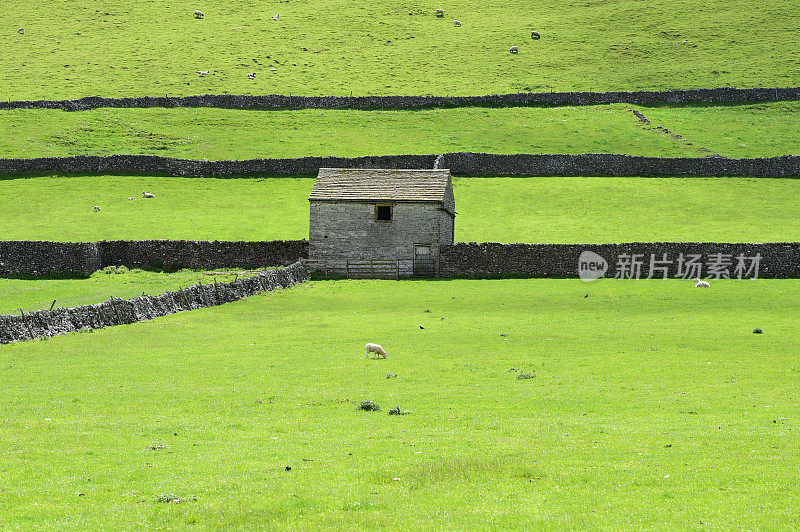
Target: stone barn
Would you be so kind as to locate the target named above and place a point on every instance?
(364, 217)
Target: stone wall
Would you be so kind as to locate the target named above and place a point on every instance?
(277, 101)
(342, 231)
(47, 323)
(48, 258)
(462, 163)
(777, 260)
(598, 164)
(172, 255)
(154, 164)
(18, 258)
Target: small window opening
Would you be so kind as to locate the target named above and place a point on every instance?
(383, 213)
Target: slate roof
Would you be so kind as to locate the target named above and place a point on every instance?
(357, 184)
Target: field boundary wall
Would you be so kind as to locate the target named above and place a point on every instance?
(47, 323)
(279, 101)
(467, 164)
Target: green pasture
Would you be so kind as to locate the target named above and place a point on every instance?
(213, 134)
(532, 209)
(754, 130)
(651, 405)
(36, 294)
(762, 130)
(151, 47)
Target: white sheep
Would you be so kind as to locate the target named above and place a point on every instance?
(251, 76)
(198, 14)
(457, 23)
(97, 208)
(375, 348)
(148, 195)
(514, 49)
(440, 13)
(276, 17)
(701, 284)
(130, 199)
(21, 30)
(202, 72)
(535, 35)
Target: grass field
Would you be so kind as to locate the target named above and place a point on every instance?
(235, 134)
(548, 209)
(652, 406)
(111, 47)
(754, 130)
(36, 294)
(762, 130)
(647, 404)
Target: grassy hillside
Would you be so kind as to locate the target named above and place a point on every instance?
(762, 130)
(554, 209)
(652, 406)
(115, 47)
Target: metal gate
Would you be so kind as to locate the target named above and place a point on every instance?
(423, 261)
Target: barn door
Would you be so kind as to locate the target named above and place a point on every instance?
(423, 261)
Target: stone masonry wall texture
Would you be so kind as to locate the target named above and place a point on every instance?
(462, 163)
(490, 259)
(342, 231)
(82, 258)
(47, 323)
(277, 101)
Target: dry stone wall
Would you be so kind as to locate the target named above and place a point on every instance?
(47, 323)
(33, 258)
(673, 259)
(277, 101)
(461, 163)
(200, 255)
